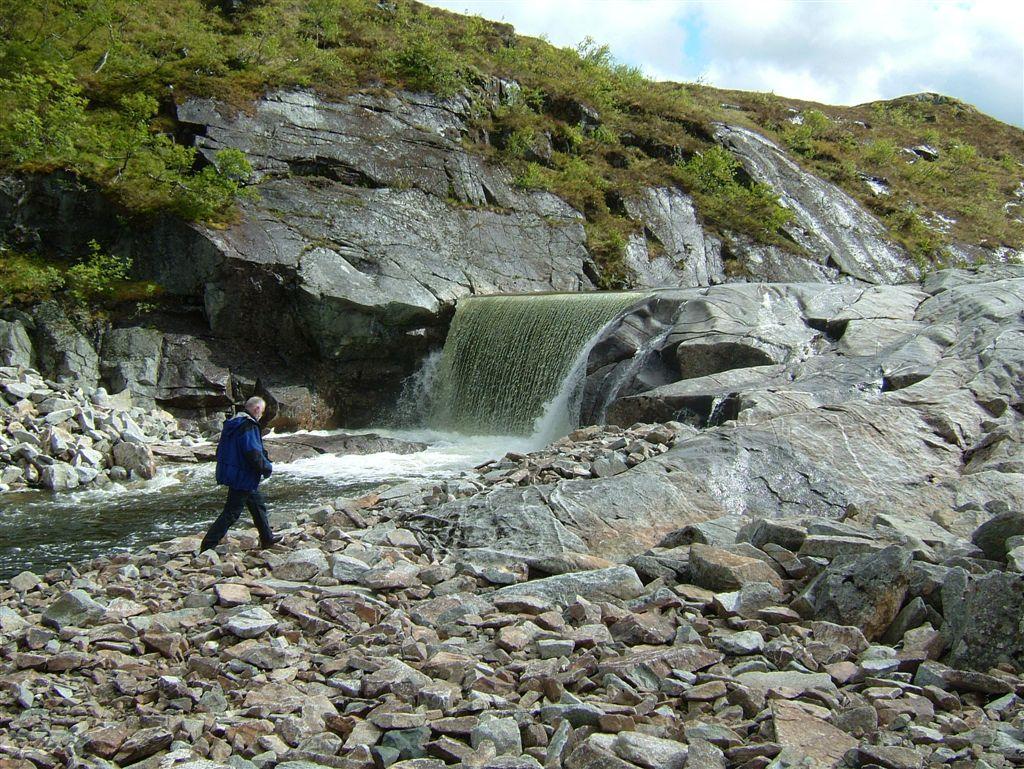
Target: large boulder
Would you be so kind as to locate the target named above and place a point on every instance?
(74, 608)
(15, 344)
(720, 570)
(983, 619)
(64, 353)
(739, 327)
(137, 458)
(288, 448)
(865, 591)
(618, 582)
(130, 360)
(991, 536)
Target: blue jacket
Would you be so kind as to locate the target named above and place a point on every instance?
(242, 461)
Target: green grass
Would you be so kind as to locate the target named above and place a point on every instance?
(90, 87)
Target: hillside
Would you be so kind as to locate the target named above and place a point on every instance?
(97, 87)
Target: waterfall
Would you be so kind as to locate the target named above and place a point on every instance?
(510, 362)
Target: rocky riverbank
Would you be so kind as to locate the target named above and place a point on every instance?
(61, 435)
(367, 639)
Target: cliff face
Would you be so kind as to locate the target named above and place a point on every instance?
(372, 219)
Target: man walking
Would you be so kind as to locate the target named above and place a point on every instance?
(242, 463)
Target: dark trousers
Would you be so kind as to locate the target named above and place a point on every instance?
(238, 499)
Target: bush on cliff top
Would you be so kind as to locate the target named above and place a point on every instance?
(91, 88)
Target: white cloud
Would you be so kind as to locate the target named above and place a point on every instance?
(835, 52)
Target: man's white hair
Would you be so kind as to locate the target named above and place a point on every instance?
(253, 402)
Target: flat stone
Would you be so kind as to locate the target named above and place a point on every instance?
(721, 570)
(740, 644)
(890, 757)
(231, 594)
(808, 735)
(650, 752)
(301, 565)
(619, 582)
(75, 608)
(24, 581)
(250, 623)
(785, 679)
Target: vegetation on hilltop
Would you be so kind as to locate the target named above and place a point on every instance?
(91, 87)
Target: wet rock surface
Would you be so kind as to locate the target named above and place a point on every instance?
(429, 656)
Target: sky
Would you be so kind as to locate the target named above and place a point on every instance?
(830, 51)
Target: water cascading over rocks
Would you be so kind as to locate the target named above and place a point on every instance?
(510, 360)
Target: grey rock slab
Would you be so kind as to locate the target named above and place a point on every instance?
(740, 644)
(890, 757)
(785, 679)
(991, 536)
(717, 532)
(827, 222)
(74, 608)
(503, 733)
(661, 662)
(301, 565)
(250, 622)
(650, 752)
(722, 570)
(808, 735)
(288, 448)
(762, 531)
(59, 476)
(831, 547)
(64, 353)
(189, 377)
(130, 360)
(739, 327)
(617, 582)
(346, 568)
(702, 754)
(688, 257)
(24, 581)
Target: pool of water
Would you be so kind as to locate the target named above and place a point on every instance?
(40, 530)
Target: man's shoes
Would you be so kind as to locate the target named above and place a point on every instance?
(271, 542)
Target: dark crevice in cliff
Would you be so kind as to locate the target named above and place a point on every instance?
(333, 169)
(832, 329)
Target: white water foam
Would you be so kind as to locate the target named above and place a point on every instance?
(447, 455)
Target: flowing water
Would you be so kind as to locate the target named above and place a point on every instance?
(508, 379)
(40, 530)
(507, 358)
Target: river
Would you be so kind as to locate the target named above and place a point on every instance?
(40, 530)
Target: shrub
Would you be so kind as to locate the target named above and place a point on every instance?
(801, 137)
(94, 278)
(26, 280)
(880, 153)
(713, 176)
(532, 178)
(42, 116)
(424, 63)
(961, 155)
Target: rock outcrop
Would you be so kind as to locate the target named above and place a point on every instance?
(372, 218)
